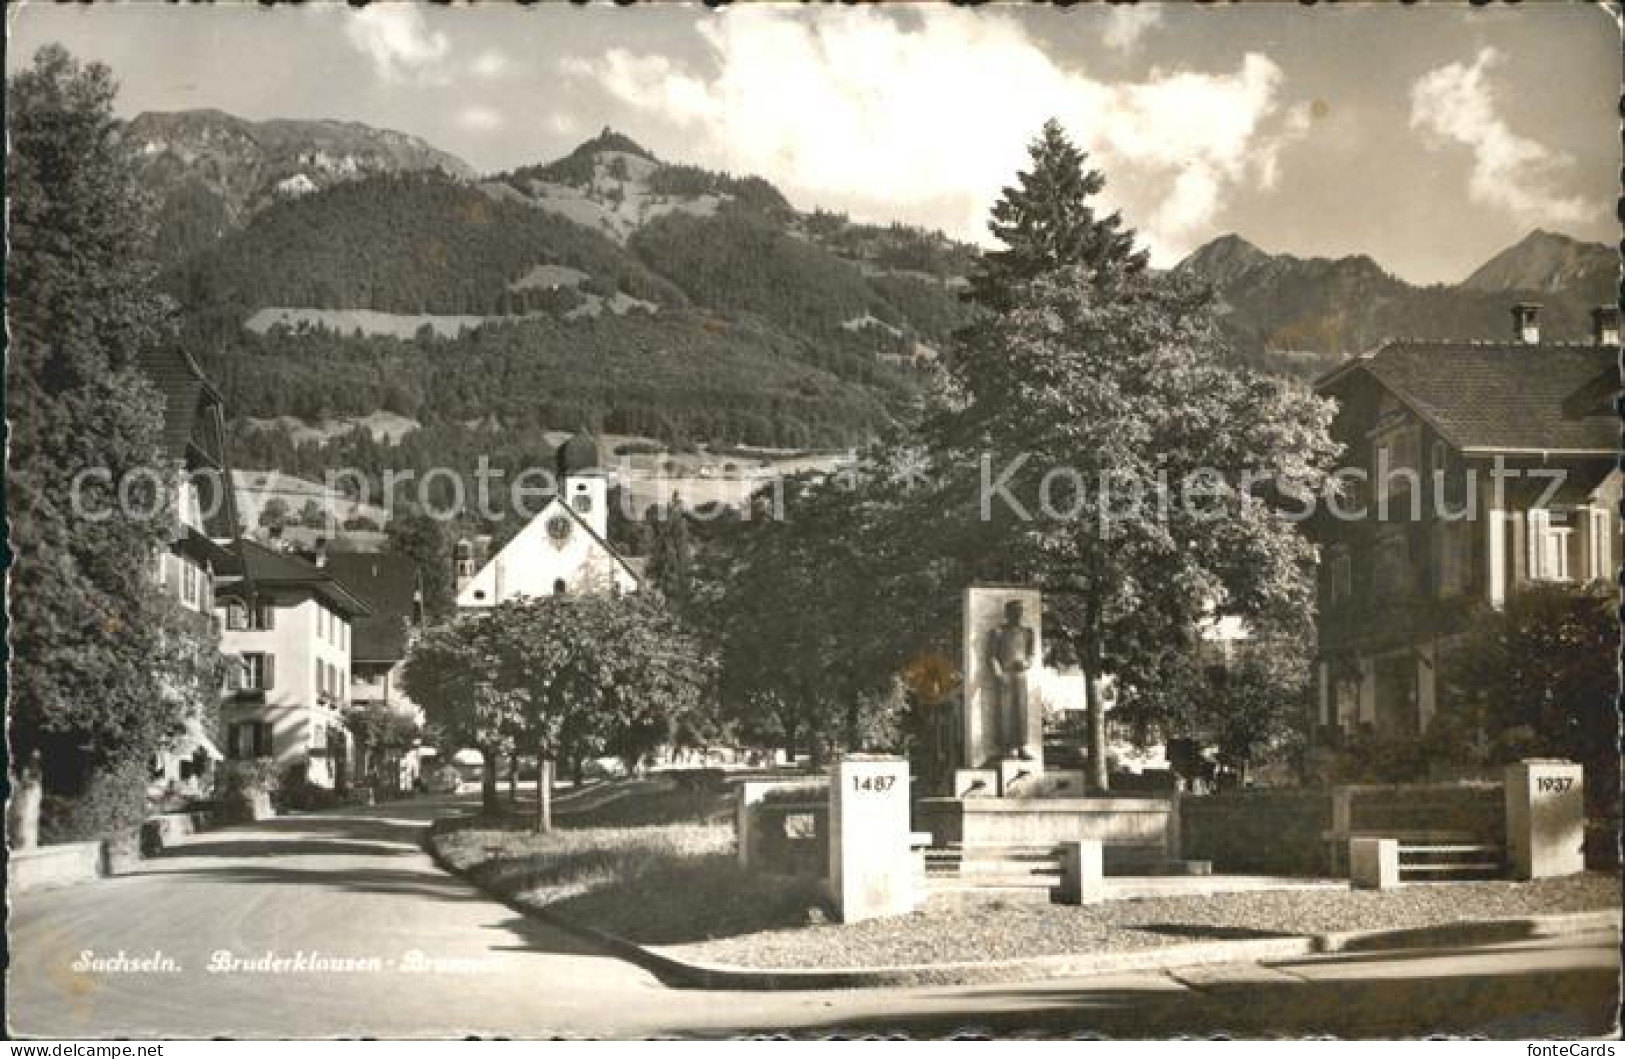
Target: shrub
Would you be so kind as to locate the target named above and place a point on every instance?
(297, 793)
(256, 775)
(113, 801)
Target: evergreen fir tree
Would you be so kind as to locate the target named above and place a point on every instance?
(672, 560)
(1046, 224)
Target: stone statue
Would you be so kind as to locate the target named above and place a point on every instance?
(1010, 650)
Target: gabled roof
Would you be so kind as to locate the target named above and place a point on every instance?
(260, 567)
(389, 585)
(186, 391)
(1501, 396)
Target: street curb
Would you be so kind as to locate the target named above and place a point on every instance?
(696, 974)
(1471, 932)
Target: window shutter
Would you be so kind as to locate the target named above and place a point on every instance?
(267, 671)
(262, 739)
(1538, 519)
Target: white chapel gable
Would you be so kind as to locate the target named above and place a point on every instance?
(556, 552)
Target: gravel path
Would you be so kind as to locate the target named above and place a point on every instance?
(997, 931)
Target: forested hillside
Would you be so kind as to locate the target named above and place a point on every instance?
(410, 243)
(619, 291)
(679, 377)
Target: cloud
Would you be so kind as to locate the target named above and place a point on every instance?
(1456, 103)
(1126, 24)
(397, 39)
(476, 118)
(927, 122)
(489, 65)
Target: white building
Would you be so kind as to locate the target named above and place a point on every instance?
(289, 622)
(564, 550)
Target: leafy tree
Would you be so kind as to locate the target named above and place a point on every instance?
(1256, 708)
(451, 672)
(1538, 678)
(1046, 223)
(813, 618)
(426, 540)
(1105, 455)
(595, 673)
(87, 621)
(382, 732)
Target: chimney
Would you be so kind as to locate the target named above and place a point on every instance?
(1526, 323)
(1605, 325)
(320, 558)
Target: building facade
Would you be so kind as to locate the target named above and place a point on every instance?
(193, 441)
(1472, 470)
(563, 550)
(289, 621)
(392, 588)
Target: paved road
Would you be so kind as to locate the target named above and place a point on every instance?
(356, 885)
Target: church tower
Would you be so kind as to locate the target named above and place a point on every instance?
(582, 482)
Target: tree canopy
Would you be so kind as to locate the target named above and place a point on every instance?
(101, 670)
(1046, 224)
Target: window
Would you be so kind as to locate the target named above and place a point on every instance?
(264, 615)
(559, 587)
(1454, 563)
(1396, 448)
(318, 736)
(1551, 536)
(259, 671)
(1391, 563)
(582, 502)
(189, 581)
(249, 739)
(321, 622)
(236, 615)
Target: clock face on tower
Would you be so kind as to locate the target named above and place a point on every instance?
(558, 529)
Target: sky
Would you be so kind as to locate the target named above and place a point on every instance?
(1428, 137)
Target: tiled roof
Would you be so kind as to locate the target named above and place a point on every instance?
(388, 584)
(262, 567)
(1502, 396)
(183, 386)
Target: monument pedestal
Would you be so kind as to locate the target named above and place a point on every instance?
(871, 865)
(1545, 807)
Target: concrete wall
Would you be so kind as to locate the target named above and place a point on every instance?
(1279, 831)
(1475, 807)
(44, 867)
(1267, 831)
(1126, 827)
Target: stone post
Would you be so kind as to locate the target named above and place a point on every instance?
(1083, 875)
(871, 865)
(1545, 807)
(1374, 863)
